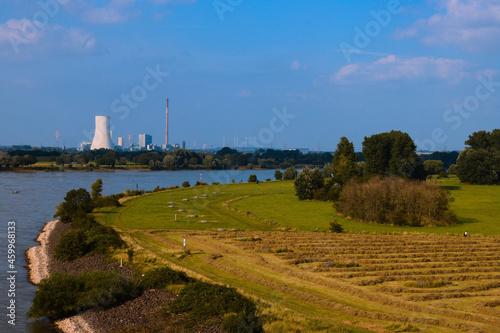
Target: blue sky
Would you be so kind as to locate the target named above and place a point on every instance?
(294, 73)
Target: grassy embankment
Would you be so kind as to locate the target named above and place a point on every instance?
(370, 284)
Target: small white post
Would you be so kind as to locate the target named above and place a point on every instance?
(184, 244)
(175, 217)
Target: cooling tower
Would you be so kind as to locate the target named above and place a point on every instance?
(102, 136)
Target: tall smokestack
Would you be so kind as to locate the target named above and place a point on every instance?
(166, 127)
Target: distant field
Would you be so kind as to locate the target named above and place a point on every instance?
(256, 206)
(370, 279)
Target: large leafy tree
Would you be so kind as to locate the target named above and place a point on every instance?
(479, 166)
(344, 161)
(392, 153)
(480, 163)
(484, 140)
(76, 203)
(307, 182)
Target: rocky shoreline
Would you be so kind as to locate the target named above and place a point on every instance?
(133, 313)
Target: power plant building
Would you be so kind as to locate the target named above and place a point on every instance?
(102, 135)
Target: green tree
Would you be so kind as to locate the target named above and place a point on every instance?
(452, 170)
(336, 227)
(479, 166)
(252, 178)
(72, 245)
(307, 183)
(186, 184)
(278, 175)
(290, 173)
(433, 167)
(76, 203)
(484, 140)
(344, 161)
(391, 153)
(96, 189)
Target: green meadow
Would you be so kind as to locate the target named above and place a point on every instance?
(273, 206)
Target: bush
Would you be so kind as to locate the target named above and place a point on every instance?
(76, 203)
(72, 245)
(84, 223)
(107, 202)
(130, 255)
(102, 238)
(278, 175)
(160, 278)
(200, 301)
(307, 183)
(86, 236)
(64, 294)
(186, 184)
(56, 297)
(290, 173)
(336, 227)
(443, 174)
(252, 179)
(398, 201)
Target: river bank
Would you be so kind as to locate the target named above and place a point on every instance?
(133, 313)
(39, 259)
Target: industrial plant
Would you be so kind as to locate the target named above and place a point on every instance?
(103, 138)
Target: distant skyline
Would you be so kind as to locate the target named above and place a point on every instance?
(297, 72)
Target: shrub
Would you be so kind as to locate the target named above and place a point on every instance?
(336, 227)
(290, 173)
(200, 301)
(101, 238)
(76, 203)
(163, 277)
(397, 201)
(72, 245)
(110, 201)
(252, 179)
(307, 183)
(84, 223)
(64, 294)
(56, 297)
(130, 255)
(186, 184)
(443, 174)
(278, 175)
(87, 235)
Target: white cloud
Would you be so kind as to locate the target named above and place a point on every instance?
(245, 93)
(25, 38)
(296, 65)
(394, 68)
(116, 11)
(473, 25)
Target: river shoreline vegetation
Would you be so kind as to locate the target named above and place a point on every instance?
(63, 295)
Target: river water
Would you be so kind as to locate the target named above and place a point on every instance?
(33, 206)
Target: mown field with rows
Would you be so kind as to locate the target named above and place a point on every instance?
(372, 278)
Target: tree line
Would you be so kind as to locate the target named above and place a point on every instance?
(226, 158)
